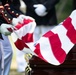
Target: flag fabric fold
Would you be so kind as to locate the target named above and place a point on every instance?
(23, 32)
(54, 45)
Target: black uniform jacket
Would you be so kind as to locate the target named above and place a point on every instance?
(11, 11)
(50, 18)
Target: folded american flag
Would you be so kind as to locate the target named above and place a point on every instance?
(54, 45)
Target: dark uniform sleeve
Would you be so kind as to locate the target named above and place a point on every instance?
(30, 3)
(49, 4)
(15, 4)
(11, 11)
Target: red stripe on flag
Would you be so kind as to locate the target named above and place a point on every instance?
(71, 32)
(28, 37)
(48, 34)
(67, 23)
(25, 22)
(20, 44)
(37, 51)
(55, 43)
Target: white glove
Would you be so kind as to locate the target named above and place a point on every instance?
(6, 29)
(40, 10)
(15, 21)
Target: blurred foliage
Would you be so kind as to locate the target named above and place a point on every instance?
(64, 8)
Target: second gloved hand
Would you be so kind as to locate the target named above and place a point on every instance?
(6, 29)
(40, 10)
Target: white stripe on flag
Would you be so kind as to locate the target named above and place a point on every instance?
(46, 51)
(29, 28)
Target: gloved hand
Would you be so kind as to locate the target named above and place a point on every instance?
(40, 10)
(6, 29)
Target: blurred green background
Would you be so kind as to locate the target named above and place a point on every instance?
(63, 9)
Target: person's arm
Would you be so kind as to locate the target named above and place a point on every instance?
(3, 20)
